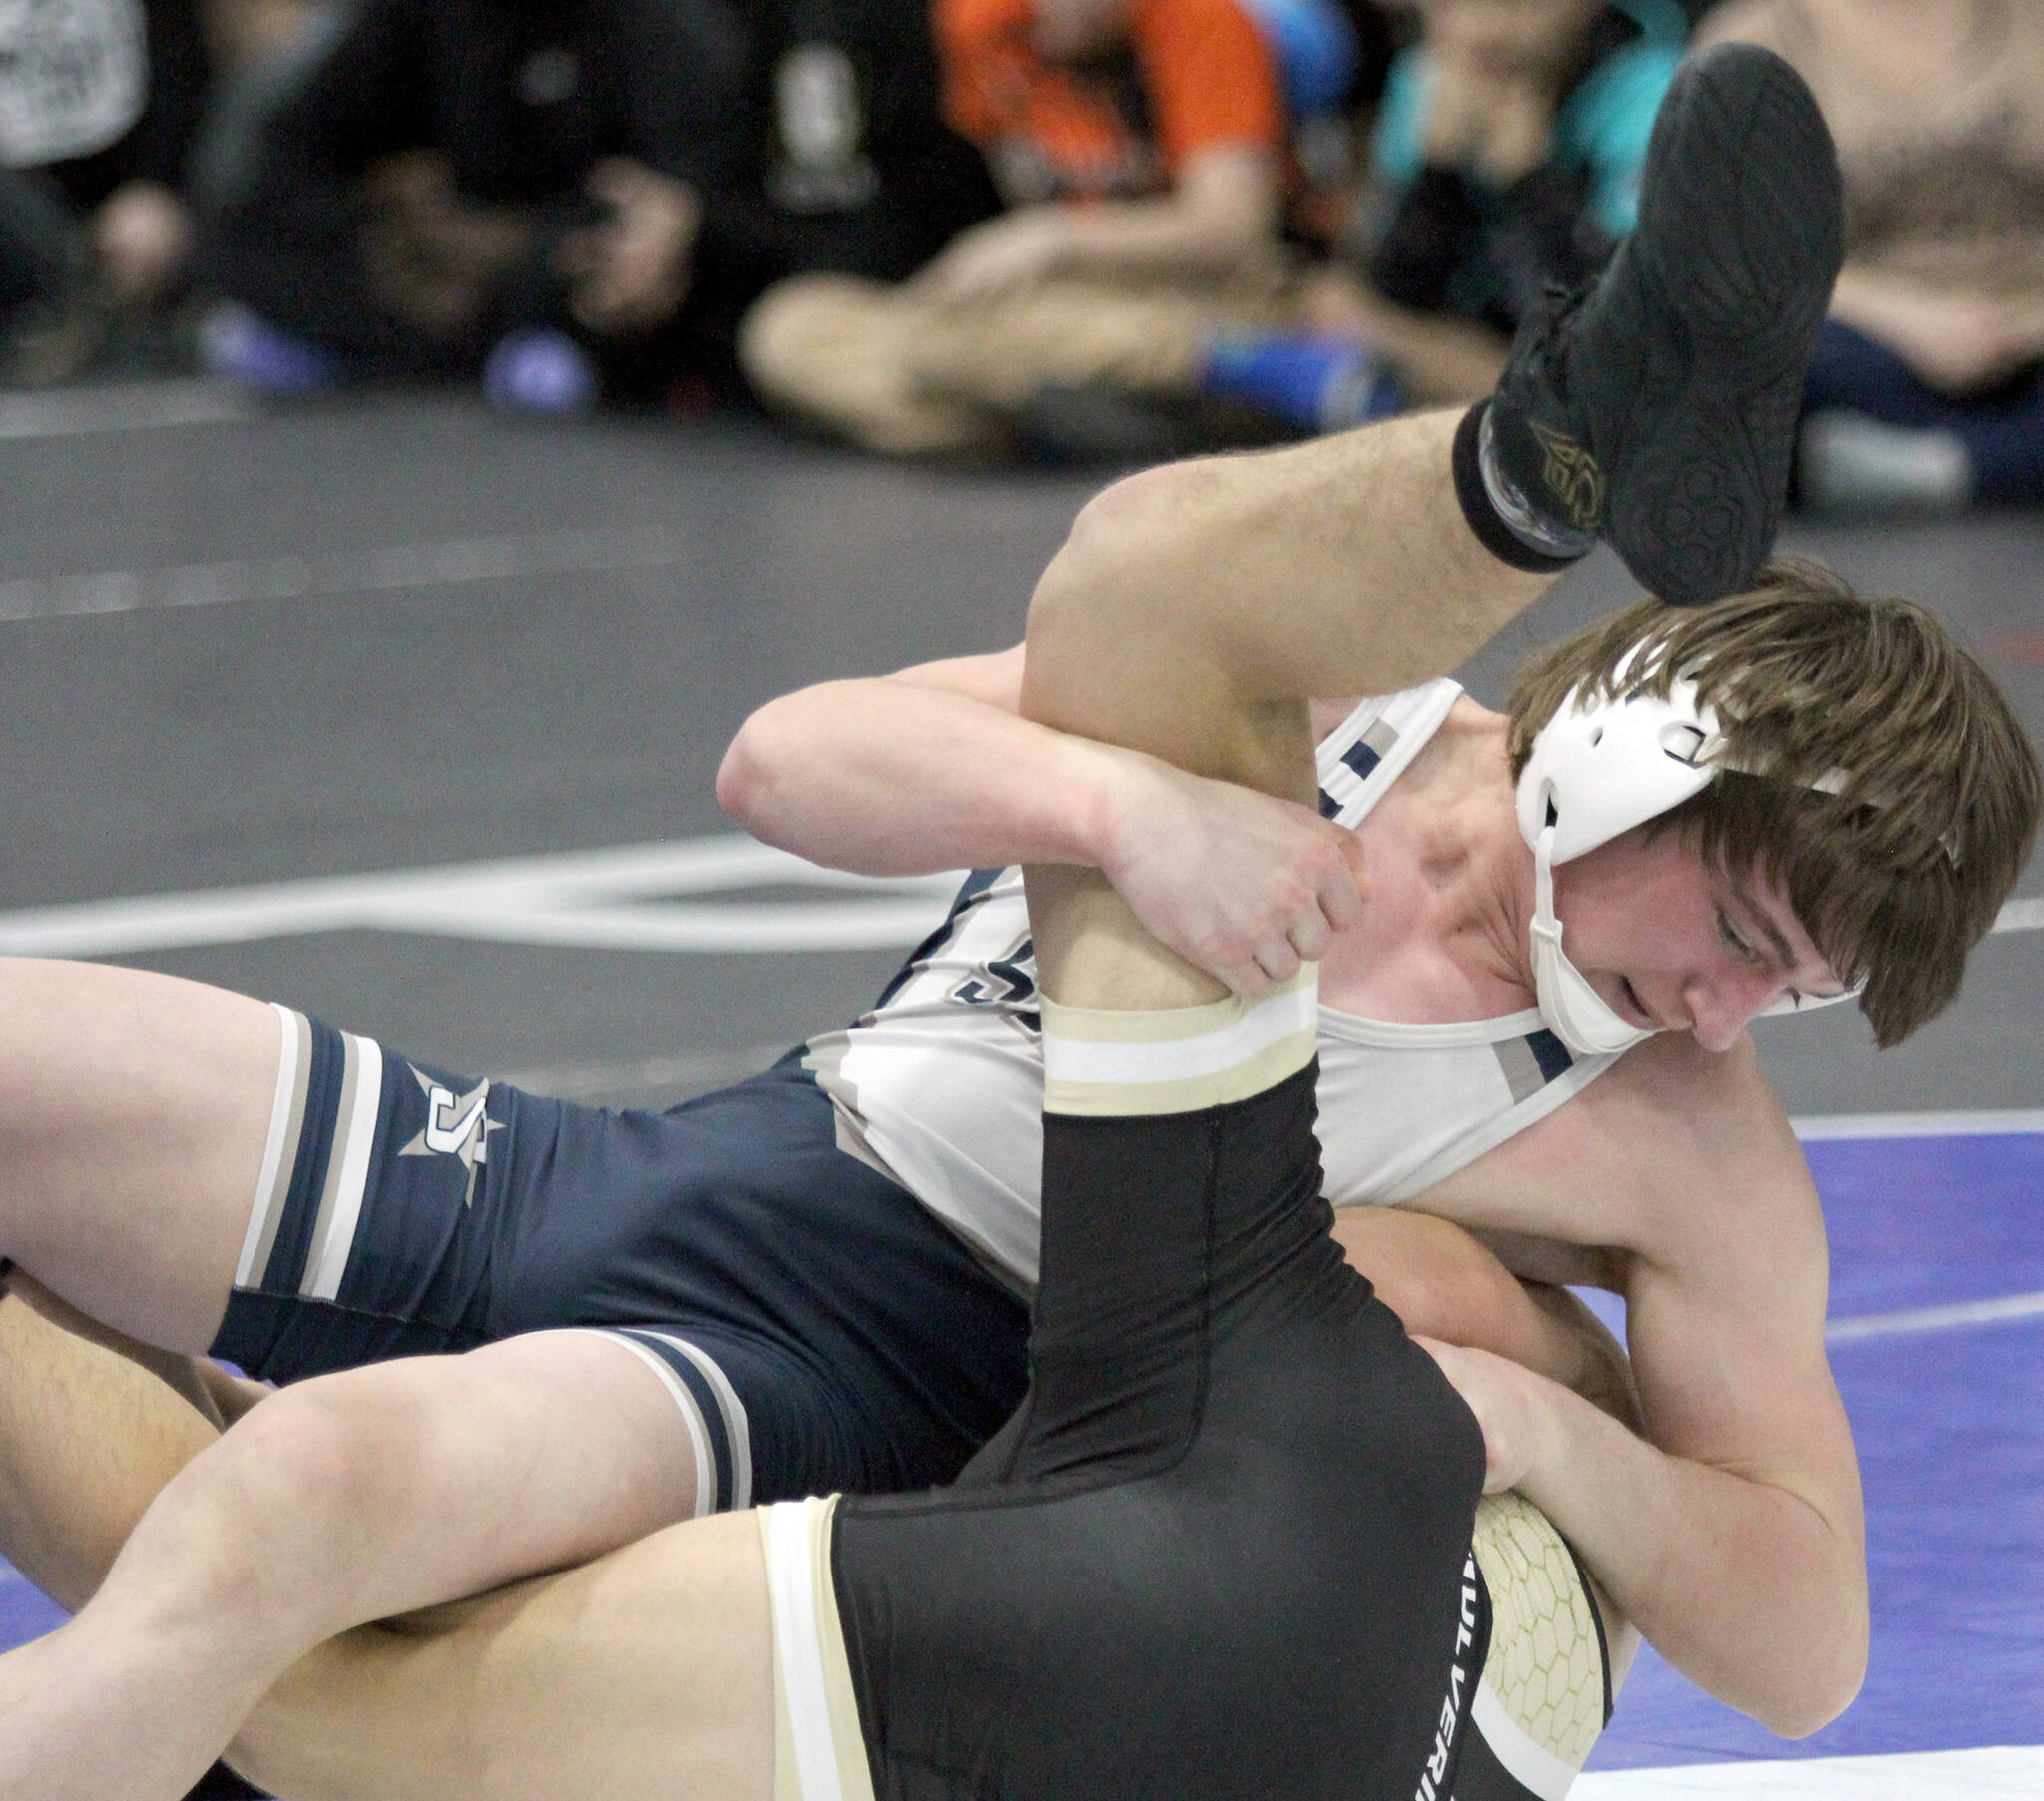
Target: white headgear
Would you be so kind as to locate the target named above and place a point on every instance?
(1596, 770)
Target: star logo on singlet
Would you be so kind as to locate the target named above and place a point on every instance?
(1570, 473)
(457, 1125)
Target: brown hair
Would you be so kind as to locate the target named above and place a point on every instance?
(1898, 874)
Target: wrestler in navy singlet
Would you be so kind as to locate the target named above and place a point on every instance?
(829, 1263)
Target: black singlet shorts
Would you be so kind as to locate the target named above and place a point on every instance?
(1224, 1549)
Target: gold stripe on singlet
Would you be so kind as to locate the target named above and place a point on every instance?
(819, 1750)
(1177, 1060)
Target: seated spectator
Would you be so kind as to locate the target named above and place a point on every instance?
(1506, 161)
(856, 167)
(98, 103)
(1141, 148)
(540, 189)
(1927, 388)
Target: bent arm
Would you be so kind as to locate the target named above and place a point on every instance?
(1223, 210)
(1734, 1534)
(1443, 1285)
(931, 770)
(923, 770)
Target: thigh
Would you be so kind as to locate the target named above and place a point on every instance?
(863, 1347)
(134, 1115)
(429, 1478)
(647, 1674)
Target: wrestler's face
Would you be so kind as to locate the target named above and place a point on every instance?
(1675, 943)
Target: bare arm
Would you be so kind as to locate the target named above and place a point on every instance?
(1733, 1535)
(931, 770)
(923, 770)
(1222, 211)
(1956, 340)
(1443, 1285)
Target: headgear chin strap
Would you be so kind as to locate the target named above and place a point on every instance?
(1596, 770)
(1574, 1011)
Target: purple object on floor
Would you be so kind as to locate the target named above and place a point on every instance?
(246, 348)
(25, 1612)
(540, 371)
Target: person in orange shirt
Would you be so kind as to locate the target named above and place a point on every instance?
(1141, 148)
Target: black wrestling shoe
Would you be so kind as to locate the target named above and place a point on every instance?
(1658, 407)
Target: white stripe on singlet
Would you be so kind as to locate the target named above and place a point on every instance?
(685, 1405)
(280, 1150)
(1102, 1060)
(820, 1752)
(737, 1434)
(348, 1168)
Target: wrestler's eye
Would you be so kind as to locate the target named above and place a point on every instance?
(1729, 933)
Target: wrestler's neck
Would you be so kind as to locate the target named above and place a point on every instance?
(1446, 888)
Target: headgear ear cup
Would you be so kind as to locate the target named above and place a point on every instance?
(1596, 770)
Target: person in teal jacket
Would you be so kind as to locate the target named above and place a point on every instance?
(1505, 164)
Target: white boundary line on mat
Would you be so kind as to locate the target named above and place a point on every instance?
(1999, 1774)
(617, 899)
(611, 899)
(1984, 1123)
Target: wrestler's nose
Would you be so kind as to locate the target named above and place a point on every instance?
(1722, 1003)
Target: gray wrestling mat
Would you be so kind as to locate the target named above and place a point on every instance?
(247, 648)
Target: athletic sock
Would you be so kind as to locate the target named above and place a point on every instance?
(1317, 385)
(1506, 524)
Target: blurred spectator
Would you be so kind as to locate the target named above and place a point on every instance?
(856, 168)
(545, 190)
(99, 103)
(1141, 148)
(1927, 389)
(1506, 162)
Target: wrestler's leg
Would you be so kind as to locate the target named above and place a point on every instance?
(341, 1500)
(1194, 603)
(642, 1673)
(134, 1114)
(87, 1440)
(647, 1674)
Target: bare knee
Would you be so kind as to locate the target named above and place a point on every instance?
(274, 1523)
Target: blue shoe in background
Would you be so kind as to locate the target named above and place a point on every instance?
(541, 372)
(1312, 383)
(243, 347)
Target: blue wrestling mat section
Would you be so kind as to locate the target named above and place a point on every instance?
(1937, 1307)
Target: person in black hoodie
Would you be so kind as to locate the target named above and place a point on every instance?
(545, 193)
(103, 104)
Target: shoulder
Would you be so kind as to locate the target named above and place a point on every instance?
(1674, 1154)
(1708, 1154)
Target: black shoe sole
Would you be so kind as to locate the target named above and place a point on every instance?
(1739, 238)
(1737, 246)
(1658, 408)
